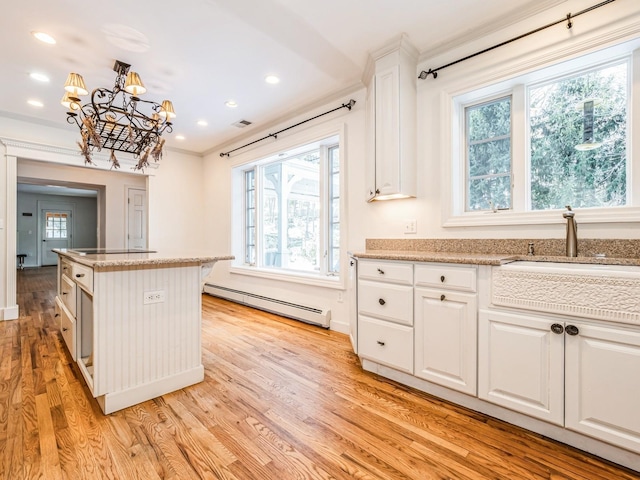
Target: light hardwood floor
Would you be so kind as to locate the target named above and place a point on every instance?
(281, 400)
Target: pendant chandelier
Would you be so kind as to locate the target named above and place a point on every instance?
(118, 119)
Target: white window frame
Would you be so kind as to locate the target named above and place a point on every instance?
(454, 101)
(262, 155)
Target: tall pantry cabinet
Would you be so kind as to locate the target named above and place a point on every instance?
(391, 128)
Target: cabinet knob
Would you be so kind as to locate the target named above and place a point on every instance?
(381, 301)
(557, 328)
(381, 272)
(57, 315)
(79, 275)
(64, 329)
(442, 278)
(571, 330)
(381, 343)
(64, 293)
(442, 297)
(377, 191)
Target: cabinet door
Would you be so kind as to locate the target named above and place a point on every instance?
(446, 338)
(603, 384)
(387, 131)
(521, 364)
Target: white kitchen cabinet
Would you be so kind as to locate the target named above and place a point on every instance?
(385, 313)
(446, 338)
(521, 364)
(391, 105)
(579, 375)
(602, 383)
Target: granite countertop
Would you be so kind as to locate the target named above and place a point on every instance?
(108, 260)
(502, 251)
(486, 259)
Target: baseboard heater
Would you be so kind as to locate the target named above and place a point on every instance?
(304, 313)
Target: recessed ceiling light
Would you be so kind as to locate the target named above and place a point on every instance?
(35, 103)
(40, 77)
(272, 79)
(231, 104)
(203, 123)
(179, 137)
(44, 37)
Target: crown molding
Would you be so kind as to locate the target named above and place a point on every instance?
(67, 156)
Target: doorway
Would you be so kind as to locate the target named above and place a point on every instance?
(55, 231)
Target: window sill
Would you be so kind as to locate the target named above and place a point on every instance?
(293, 277)
(547, 217)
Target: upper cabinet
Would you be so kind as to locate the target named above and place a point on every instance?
(391, 124)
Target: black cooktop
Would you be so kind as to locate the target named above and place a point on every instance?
(107, 251)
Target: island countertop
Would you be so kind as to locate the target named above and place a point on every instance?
(123, 258)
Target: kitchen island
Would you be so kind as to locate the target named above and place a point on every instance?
(132, 320)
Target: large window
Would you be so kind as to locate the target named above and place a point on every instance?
(291, 219)
(547, 139)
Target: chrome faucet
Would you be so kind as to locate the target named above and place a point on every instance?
(572, 233)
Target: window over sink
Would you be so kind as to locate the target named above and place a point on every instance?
(526, 146)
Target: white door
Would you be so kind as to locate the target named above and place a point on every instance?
(55, 228)
(446, 338)
(521, 363)
(136, 218)
(603, 383)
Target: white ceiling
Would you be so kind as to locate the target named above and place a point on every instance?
(201, 53)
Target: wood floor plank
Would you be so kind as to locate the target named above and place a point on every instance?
(281, 400)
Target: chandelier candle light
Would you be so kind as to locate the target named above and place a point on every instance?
(112, 120)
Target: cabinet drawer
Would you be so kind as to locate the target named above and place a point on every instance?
(68, 293)
(65, 267)
(386, 301)
(67, 327)
(83, 275)
(386, 343)
(391, 272)
(446, 276)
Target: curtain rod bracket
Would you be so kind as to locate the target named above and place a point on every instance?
(569, 22)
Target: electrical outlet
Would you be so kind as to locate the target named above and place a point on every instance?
(410, 226)
(156, 296)
(340, 297)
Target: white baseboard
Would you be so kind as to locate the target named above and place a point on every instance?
(9, 313)
(112, 402)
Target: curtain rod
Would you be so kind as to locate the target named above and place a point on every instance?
(425, 73)
(348, 105)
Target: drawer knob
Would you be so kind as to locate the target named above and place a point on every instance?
(442, 278)
(381, 272)
(79, 275)
(64, 329)
(64, 293)
(571, 330)
(381, 343)
(442, 297)
(57, 315)
(381, 301)
(557, 328)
